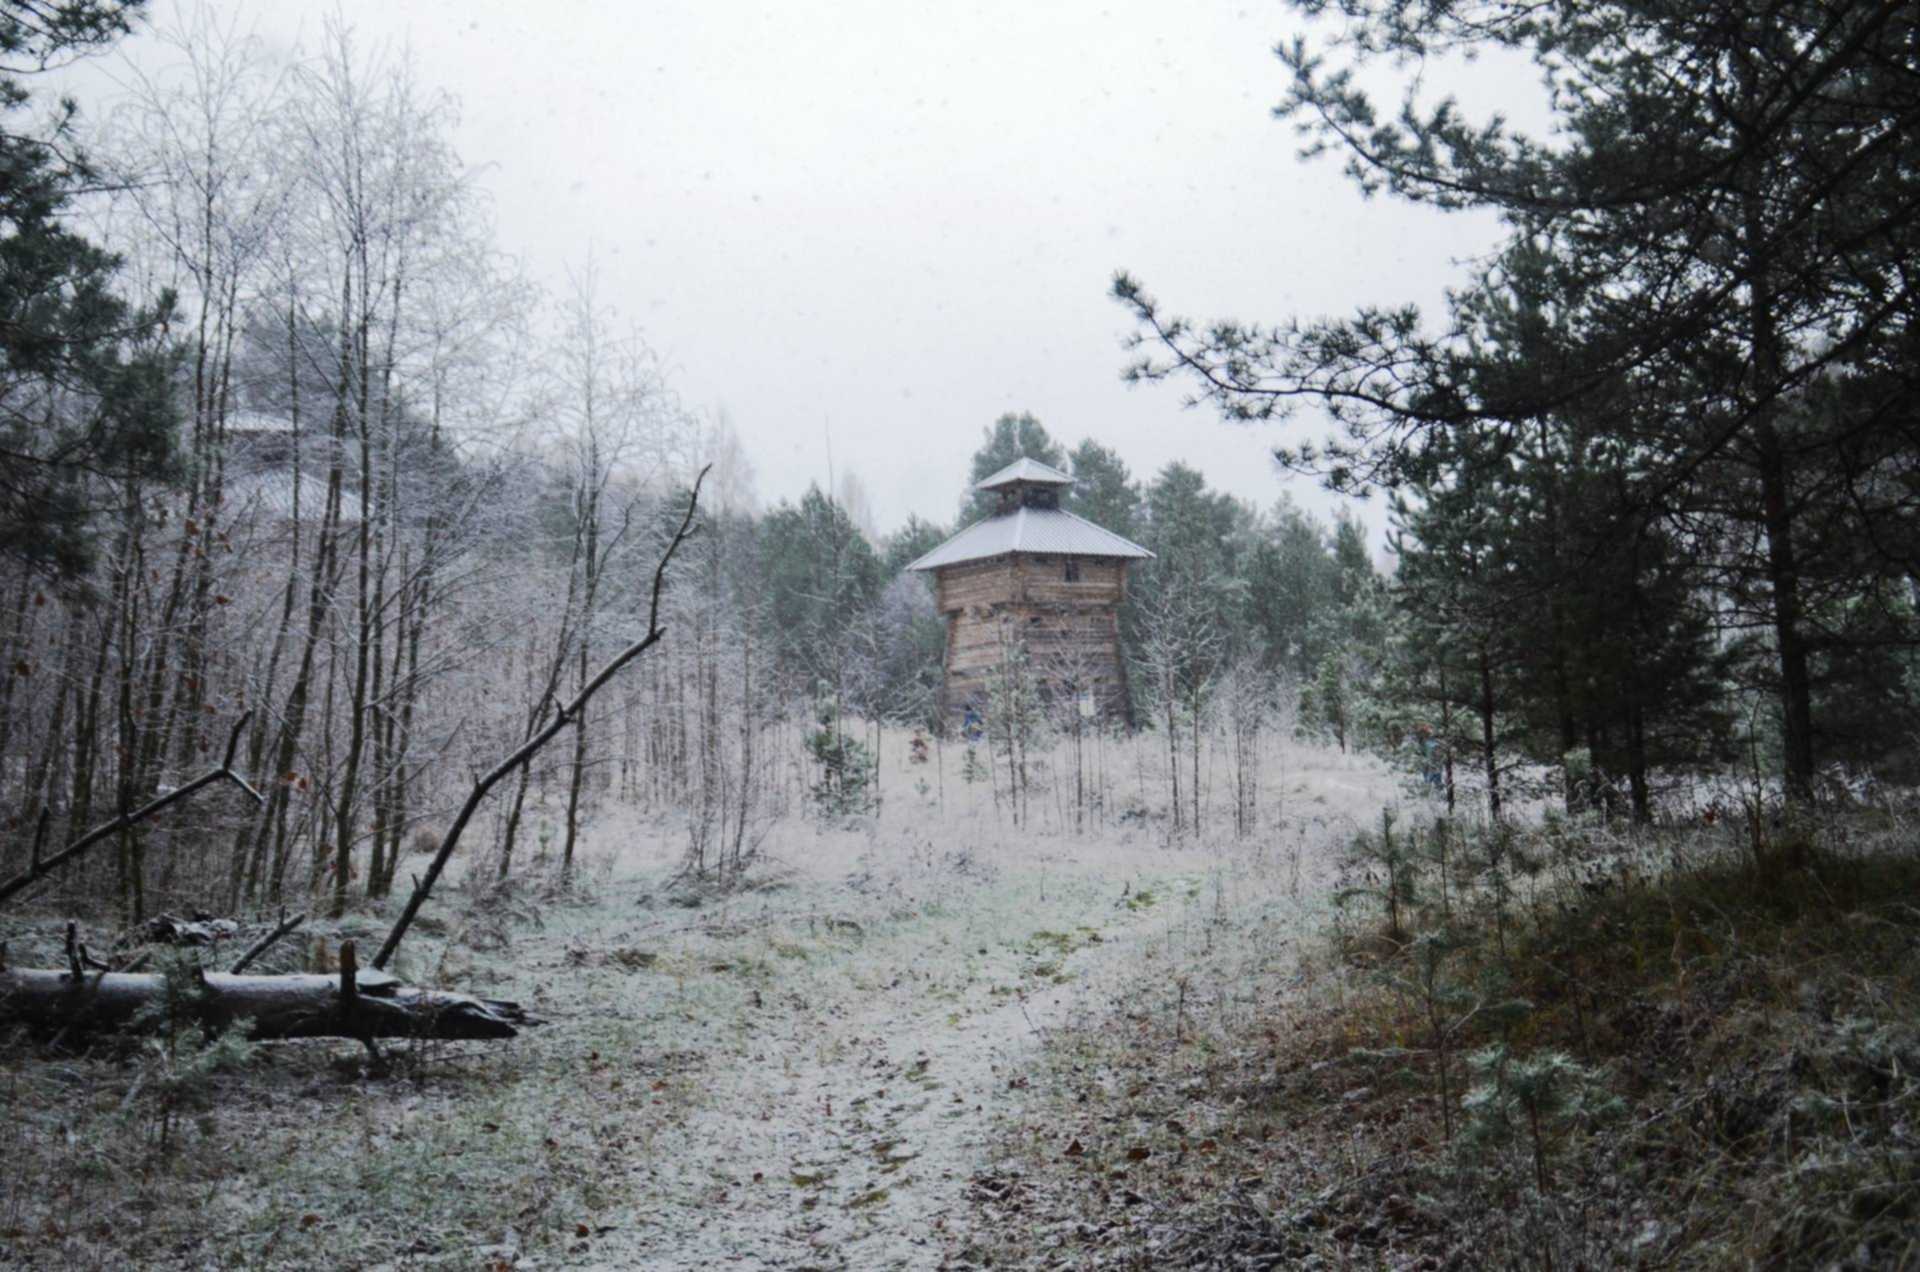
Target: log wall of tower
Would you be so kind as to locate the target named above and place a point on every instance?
(1070, 630)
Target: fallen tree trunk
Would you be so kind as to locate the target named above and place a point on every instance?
(301, 1006)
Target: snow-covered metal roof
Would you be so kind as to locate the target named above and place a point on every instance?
(1049, 531)
(271, 494)
(1031, 471)
(258, 422)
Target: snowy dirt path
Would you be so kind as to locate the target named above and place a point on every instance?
(844, 1126)
(811, 1072)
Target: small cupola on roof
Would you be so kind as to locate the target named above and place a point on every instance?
(1036, 577)
(1026, 483)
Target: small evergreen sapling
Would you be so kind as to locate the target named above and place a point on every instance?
(1532, 1100)
(1387, 869)
(844, 785)
(180, 1079)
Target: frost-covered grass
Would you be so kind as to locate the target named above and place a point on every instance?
(810, 1069)
(1690, 1049)
(1062, 1030)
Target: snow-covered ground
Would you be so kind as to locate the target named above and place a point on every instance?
(806, 1072)
(830, 1058)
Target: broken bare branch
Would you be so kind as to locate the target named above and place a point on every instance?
(38, 869)
(266, 942)
(562, 718)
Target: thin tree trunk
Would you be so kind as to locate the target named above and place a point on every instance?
(1487, 737)
(1193, 707)
(1776, 493)
(746, 747)
(1173, 749)
(17, 642)
(344, 819)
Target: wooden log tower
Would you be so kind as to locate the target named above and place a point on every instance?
(1038, 579)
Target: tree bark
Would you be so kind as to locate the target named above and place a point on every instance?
(1487, 736)
(1768, 369)
(1783, 578)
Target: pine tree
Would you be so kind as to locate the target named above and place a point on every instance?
(1292, 590)
(86, 378)
(913, 540)
(818, 576)
(1104, 492)
(1727, 213)
(1455, 580)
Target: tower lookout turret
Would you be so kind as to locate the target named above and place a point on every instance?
(1036, 579)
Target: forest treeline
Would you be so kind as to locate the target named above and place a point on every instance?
(289, 440)
(341, 477)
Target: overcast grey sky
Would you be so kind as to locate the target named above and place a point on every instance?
(897, 219)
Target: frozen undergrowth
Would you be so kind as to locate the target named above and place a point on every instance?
(807, 1072)
(1693, 1050)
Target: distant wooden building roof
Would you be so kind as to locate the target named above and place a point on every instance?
(273, 492)
(1025, 471)
(1049, 531)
